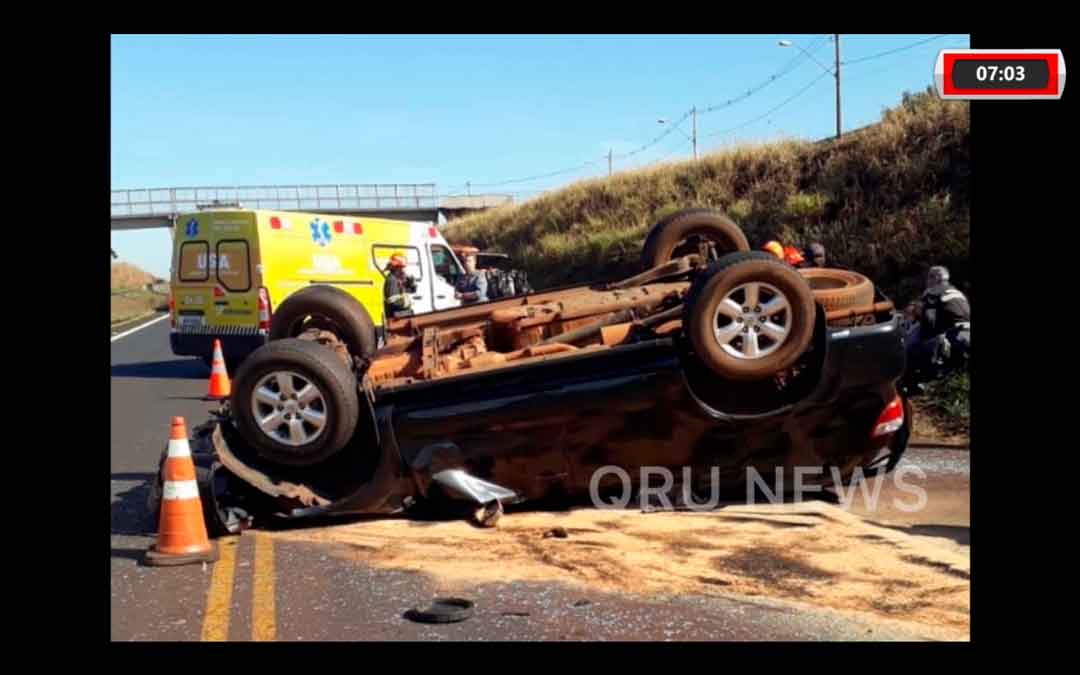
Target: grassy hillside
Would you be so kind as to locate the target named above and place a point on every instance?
(129, 299)
(127, 276)
(888, 201)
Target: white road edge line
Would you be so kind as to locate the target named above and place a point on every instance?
(138, 328)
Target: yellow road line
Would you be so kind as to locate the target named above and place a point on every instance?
(263, 621)
(219, 599)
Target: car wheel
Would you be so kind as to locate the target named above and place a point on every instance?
(326, 308)
(749, 316)
(839, 289)
(295, 401)
(690, 231)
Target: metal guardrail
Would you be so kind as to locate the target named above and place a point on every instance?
(168, 201)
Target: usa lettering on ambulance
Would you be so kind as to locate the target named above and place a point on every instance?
(223, 263)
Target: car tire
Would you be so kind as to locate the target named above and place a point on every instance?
(668, 239)
(326, 308)
(285, 368)
(838, 289)
(728, 349)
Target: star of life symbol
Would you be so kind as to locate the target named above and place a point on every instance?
(192, 228)
(320, 232)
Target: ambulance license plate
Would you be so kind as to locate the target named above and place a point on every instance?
(192, 322)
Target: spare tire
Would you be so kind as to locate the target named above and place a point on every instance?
(295, 401)
(838, 289)
(327, 308)
(749, 316)
(679, 234)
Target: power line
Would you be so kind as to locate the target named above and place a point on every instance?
(753, 90)
(787, 68)
(675, 125)
(678, 149)
(898, 49)
(862, 74)
(773, 109)
(540, 176)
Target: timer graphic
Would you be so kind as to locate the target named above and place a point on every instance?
(975, 74)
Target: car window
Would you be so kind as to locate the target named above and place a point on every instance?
(446, 266)
(380, 255)
(193, 261)
(232, 265)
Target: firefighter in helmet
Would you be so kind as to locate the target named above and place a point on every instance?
(399, 287)
(789, 254)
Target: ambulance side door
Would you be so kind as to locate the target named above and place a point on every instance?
(446, 270)
(416, 268)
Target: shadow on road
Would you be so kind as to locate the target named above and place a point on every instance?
(434, 511)
(136, 554)
(181, 369)
(961, 534)
(129, 515)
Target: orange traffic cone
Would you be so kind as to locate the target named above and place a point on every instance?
(220, 387)
(182, 536)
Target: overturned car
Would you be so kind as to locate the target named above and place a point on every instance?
(714, 357)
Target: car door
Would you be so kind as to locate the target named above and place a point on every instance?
(415, 268)
(446, 270)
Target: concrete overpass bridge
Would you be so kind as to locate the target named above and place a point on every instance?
(158, 207)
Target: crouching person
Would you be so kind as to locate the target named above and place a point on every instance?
(943, 340)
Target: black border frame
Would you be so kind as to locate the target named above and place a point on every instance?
(1021, 409)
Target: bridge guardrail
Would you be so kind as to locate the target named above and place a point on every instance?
(168, 201)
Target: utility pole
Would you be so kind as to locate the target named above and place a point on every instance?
(468, 189)
(693, 113)
(836, 41)
(835, 72)
(609, 162)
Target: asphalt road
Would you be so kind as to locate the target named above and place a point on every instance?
(265, 589)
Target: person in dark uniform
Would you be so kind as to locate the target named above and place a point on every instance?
(815, 256)
(472, 286)
(399, 287)
(943, 337)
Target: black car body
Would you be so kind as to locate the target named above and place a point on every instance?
(540, 432)
(553, 395)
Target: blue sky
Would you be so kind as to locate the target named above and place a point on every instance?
(266, 110)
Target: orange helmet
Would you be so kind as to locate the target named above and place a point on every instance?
(775, 248)
(397, 260)
(793, 256)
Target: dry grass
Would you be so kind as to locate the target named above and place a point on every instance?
(129, 298)
(128, 276)
(129, 305)
(888, 201)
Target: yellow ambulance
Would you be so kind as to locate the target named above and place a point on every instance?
(249, 276)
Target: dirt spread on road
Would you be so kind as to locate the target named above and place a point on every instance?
(809, 552)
